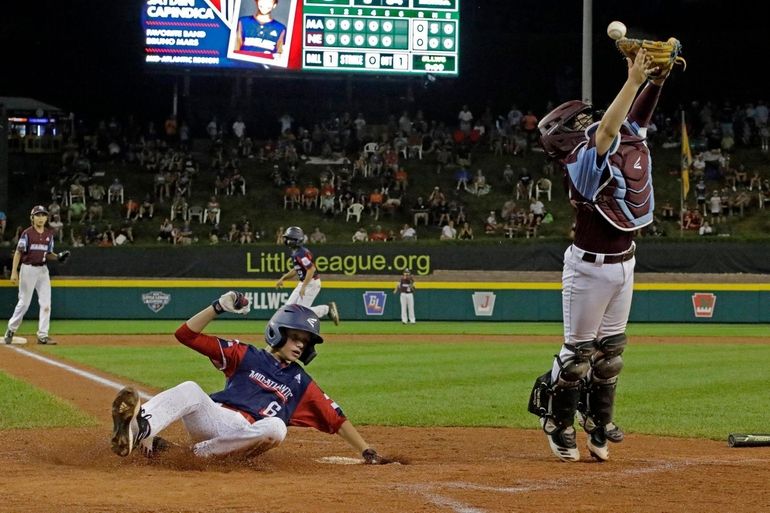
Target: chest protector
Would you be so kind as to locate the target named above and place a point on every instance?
(625, 199)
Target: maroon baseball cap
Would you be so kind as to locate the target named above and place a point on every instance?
(39, 209)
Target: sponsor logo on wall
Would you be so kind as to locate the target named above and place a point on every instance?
(374, 302)
(156, 300)
(484, 303)
(703, 304)
(267, 300)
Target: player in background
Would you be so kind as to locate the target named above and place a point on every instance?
(266, 391)
(609, 172)
(406, 287)
(260, 33)
(309, 280)
(34, 249)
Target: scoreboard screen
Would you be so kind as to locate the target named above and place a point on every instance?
(359, 36)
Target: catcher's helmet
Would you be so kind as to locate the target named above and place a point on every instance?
(293, 236)
(299, 318)
(38, 209)
(563, 128)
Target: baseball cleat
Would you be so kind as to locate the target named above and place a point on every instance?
(597, 445)
(562, 442)
(334, 313)
(8, 339)
(46, 341)
(130, 425)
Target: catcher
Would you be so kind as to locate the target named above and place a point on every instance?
(266, 391)
(609, 172)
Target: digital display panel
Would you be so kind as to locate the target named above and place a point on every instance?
(359, 36)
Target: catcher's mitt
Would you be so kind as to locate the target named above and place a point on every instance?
(664, 54)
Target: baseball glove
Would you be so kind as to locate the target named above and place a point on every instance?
(63, 256)
(664, 54)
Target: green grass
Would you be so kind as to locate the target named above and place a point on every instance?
(24, 406)
(167, 327)
(677, 390)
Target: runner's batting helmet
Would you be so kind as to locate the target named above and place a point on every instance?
(293, 236)
(564, 127)
(295, 317)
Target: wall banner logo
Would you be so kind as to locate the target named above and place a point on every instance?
(703, 304)
(484, 303)
(374, 302)
(156, 300)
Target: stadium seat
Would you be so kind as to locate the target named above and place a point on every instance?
(371, 148)
(543, 186)
(195, 211)
(354, 211)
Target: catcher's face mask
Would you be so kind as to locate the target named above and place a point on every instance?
(564, 127)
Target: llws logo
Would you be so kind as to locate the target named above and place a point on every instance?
(703, 304)
(374, 302)
(156, 300)
(484, 303)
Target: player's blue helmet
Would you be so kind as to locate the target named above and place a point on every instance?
(562, 129)
(293, 236)
(299, 318)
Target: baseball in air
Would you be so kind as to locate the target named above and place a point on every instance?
(616, 30)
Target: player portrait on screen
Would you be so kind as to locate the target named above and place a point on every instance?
(262, 32)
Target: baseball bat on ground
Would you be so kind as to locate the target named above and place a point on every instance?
(748, 440)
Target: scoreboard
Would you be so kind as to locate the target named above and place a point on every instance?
(342, 36)
(398, 36)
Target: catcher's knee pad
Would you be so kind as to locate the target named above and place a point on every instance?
(608, 361)
(574, 367)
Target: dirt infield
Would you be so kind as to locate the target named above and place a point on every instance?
(448, 469)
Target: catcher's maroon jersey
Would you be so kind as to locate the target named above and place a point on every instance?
(613, 193)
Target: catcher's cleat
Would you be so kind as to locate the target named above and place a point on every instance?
(8, 339)
(597, 445)
(334, 313)
(48, 341)
(562, 442)
(130, 425)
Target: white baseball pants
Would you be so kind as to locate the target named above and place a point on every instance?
(33, 278)
(407, 307)
(596, 299)
(312, 290)
(216, 429)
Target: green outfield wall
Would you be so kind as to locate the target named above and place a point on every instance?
(437, 301)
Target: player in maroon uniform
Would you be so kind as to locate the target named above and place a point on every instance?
(34, 249)
(609, 171)
(266, 391)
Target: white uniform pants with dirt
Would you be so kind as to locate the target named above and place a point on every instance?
(311, 291)
(216, 429)
(33, 278)
(407, 307)
(596, 299)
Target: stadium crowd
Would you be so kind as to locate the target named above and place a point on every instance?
(407, 178)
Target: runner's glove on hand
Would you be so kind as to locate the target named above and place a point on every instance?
(233, 302)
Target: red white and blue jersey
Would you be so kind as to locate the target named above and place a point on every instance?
(259, 386)
(303, 260)
(34, 246)
(258, 38)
